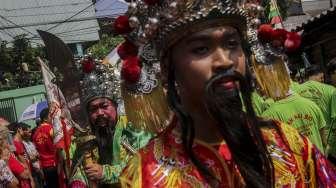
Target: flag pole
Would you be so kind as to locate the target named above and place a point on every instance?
(44, 68)
(65, 140)
(39, 60)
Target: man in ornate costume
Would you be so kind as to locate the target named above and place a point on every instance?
(101, 155)
(212, 141)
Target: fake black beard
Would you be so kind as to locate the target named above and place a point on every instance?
(226, 105)
(239, 129)
(104, 137)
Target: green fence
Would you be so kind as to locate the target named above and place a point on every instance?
(14, 102)
(7, 109)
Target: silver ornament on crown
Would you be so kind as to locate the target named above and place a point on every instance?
(100, 82)
(148, 76)
(165, 21)
(263, 53)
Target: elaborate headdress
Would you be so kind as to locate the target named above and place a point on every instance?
(98, 80)
(163, 22)
(269, 47)
(150, 27)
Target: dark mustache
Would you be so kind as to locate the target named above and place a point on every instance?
(221, 102)
(210, 86)
(101, 119)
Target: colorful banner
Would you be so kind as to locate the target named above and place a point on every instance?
(61, 58)
(60, 114)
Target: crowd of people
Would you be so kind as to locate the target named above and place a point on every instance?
(28, 155)
(238, 117)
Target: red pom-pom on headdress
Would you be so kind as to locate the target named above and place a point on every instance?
(131, 70)
(88, 65)
(278, 37)
(121, 25)
(127, 49)
(265, 32)
(293, 41)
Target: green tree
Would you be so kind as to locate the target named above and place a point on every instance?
(20, 46)
(101, 49)
(6, 60)
(23, 52)
(11, 60)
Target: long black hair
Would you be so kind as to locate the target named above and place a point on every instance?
(241, 131)
(187, 125)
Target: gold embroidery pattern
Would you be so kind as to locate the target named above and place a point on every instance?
(281, 158)
(281, 161)
(170, 171)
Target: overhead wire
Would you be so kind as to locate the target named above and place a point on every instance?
(64, 33)
(70, 31)
(58, 22)
(7, 32)
(71, 16)
(74, 34)
(47, 23)
(57, 13)
(43, 6)
(16, 25)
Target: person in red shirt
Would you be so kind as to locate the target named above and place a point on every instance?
(21, 172)
(18, 130)
(43, 140)
(19, 169)
(19, 162)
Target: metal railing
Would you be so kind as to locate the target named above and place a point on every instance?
(7, 109)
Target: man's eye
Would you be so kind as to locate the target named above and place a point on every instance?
(92, 109)
(232, 44)
(104, 106)
(200, 50)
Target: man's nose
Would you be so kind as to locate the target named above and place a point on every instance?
(222, 60)
(100, 111)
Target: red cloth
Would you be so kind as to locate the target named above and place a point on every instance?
(19, 147)
(15, 165)
(43, 141)
(17, 168)
(20, 150)
(163, 157)
(224, 151)
(77, 184)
